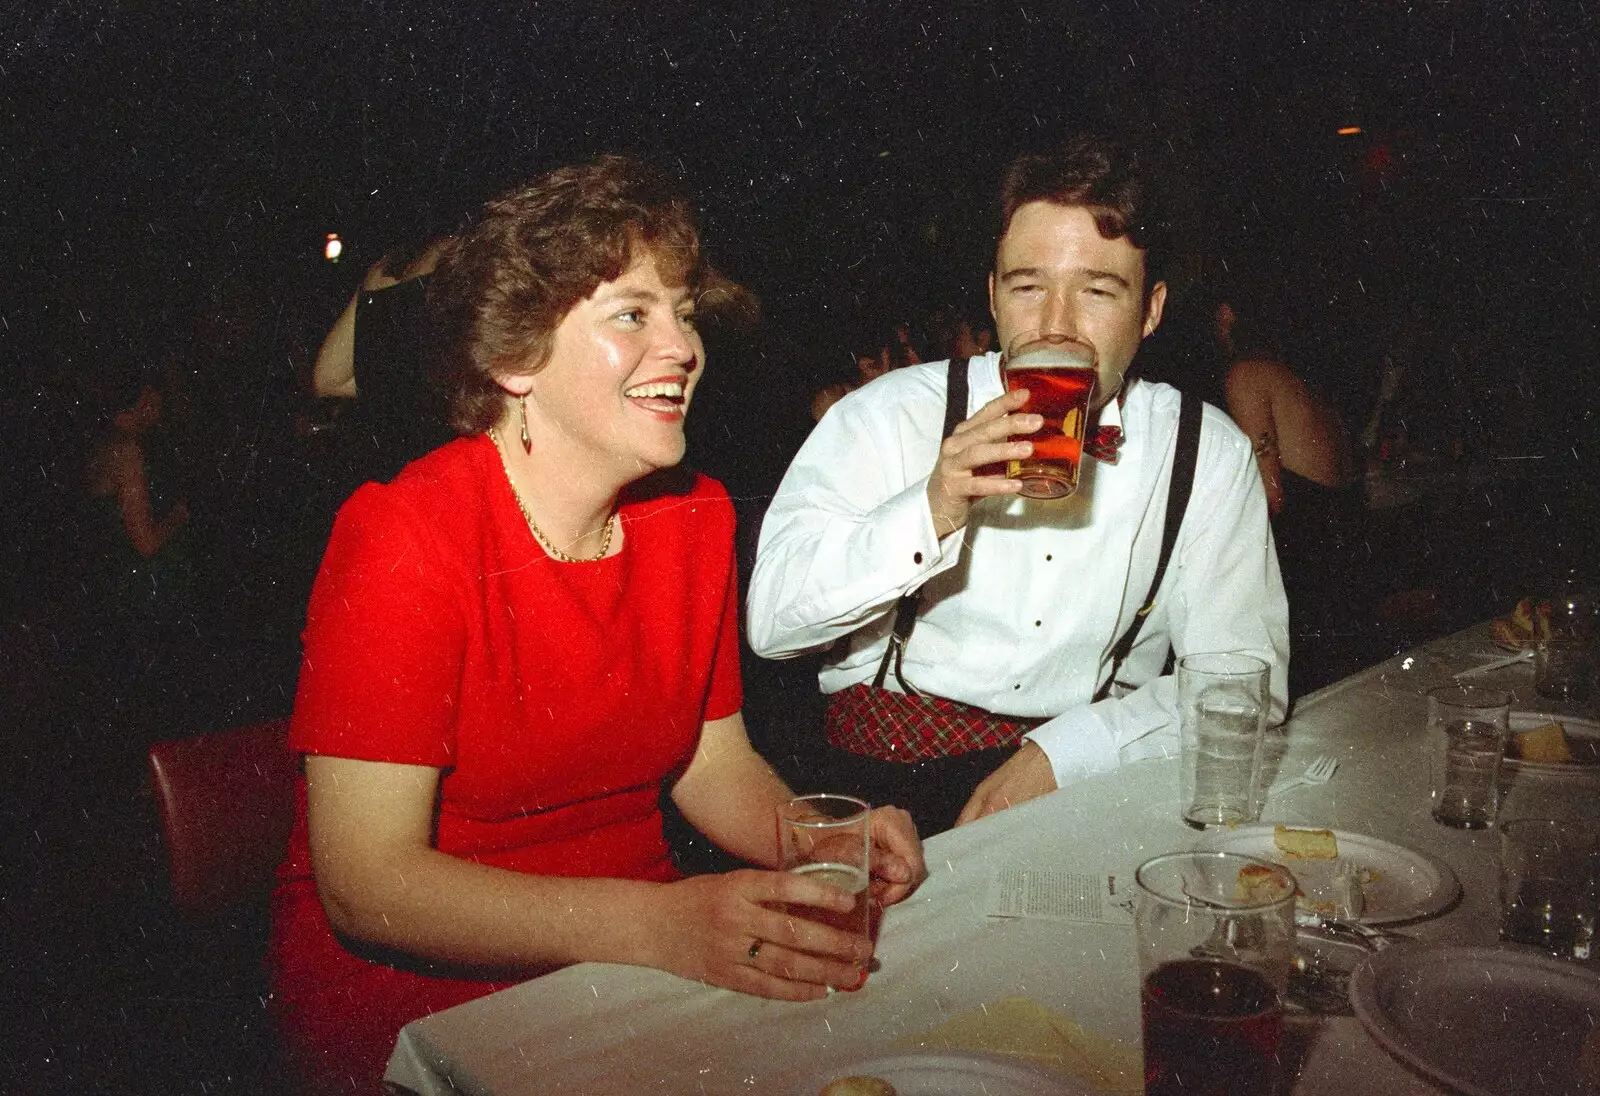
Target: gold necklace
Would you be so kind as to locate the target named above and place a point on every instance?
(533, 526)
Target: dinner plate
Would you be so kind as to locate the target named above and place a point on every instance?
(948, 1073)
(1583, 738)
(1483, 1021)
(1397, 883)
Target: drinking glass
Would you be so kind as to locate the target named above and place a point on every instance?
(1222, 715)
(1549, 886)
(1058, 372)
(1468, 727)
(1564, 652)
(829, 837)
(1216, 944)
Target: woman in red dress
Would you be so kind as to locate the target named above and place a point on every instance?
(516, 644)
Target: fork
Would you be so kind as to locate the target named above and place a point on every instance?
(1320, 771)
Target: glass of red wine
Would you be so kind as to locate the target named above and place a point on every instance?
(1216, 943)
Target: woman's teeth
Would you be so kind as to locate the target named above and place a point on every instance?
(656, 390)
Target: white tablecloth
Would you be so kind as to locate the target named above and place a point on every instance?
(598, 1029)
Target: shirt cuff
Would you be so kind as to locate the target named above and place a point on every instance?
(1078, 743)
(1082, 743)
(917, 544)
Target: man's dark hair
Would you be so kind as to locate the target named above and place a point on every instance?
(1102, 175)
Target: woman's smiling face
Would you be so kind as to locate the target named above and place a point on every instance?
(622, 370)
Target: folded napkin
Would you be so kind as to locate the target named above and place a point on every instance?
(1026, 1029)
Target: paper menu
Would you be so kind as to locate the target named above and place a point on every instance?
(1060, 894)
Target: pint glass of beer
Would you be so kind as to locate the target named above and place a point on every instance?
(1058, 373)
(829, 837)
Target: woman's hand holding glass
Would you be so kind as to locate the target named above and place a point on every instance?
(740, 931)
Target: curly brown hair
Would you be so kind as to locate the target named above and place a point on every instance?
(503, 287)
(1102, 175)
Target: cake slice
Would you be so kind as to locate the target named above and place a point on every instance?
(1299, 844)
(1546, 742)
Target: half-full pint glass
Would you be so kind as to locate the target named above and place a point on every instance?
(829, 837)
(1058, 374)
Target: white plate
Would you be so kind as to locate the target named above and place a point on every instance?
(948, 1073)
(1403, 885)
(1583, 736)
(1484, 1021)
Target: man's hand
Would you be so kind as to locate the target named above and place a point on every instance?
(1027, 775)
(981, 440)
(897, 866)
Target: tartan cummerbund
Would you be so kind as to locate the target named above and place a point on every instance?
(893, 726)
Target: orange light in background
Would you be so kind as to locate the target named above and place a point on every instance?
(1348, 131)
(333, 248)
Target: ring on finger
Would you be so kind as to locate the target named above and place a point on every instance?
(754, 949)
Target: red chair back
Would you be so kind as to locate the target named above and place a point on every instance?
(226, 802)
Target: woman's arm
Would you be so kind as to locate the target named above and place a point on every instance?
(1250, 404)
(335, 371)
(381, 881)
(732, 795)
(133, 500)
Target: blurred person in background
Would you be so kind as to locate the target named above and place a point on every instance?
(1304, 454)
(373, 357)
(1301, 445)
(139, 583)
(892, 351)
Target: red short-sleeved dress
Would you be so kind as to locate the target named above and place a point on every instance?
(555, 698)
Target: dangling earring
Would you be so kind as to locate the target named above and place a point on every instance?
(527, 442)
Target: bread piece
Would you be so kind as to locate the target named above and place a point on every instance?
(1508, 634)
(1298, 844)
(1522, 616)
(1546, 742)
(858, 1086)
(1521, 628)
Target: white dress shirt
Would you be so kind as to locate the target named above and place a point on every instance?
(1020, 609)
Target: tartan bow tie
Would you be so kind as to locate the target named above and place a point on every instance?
(1103, 443)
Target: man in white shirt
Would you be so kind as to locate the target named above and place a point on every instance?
(1022, 602)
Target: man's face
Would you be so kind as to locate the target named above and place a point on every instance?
(1055, 274)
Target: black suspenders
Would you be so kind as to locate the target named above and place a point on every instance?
(1178, 491)
(905, 611)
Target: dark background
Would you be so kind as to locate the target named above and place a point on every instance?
(169, 172)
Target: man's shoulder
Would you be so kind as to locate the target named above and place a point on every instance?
(910, 382)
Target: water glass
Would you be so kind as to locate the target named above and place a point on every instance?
(1222, 716)
(1549, 888)
(1564, 653)
(1468, 728)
